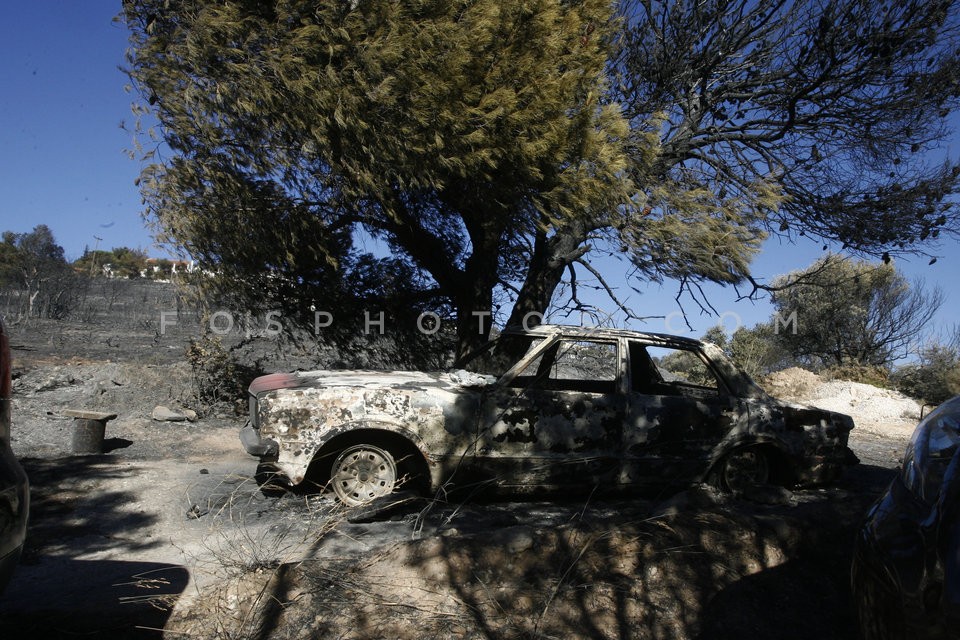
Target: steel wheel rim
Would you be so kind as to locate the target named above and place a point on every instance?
(747, 468)
(363, 473)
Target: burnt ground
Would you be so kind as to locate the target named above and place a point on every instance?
(169, 530)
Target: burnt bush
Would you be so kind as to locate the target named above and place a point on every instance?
(218, 375)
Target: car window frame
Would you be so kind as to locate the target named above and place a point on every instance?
(521, 364)
(550, 351)
(723, 389)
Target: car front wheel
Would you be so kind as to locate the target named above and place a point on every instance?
(363, 473)
(744, 469)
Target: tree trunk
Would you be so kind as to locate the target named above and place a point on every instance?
(474, 318)
(551, 256)
(481, 274)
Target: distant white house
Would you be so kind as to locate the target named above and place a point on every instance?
(156, 266)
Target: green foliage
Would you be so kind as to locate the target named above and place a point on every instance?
(28, 258)
(758, 350)
(694, 238)
(848, 312)
(10, 260)
(875, 375)
(159, 268)
(91, 262)
(934, 378)
(121, 262)
(686, 366)
(128, 262)
(717, 335)
(452, 130)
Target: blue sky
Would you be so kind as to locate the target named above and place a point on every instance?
(62, 151)
(64, 161)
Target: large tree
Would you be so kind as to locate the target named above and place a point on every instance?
(495, 147)
(455, 131)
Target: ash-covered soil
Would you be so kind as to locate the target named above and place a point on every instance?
(168, 529)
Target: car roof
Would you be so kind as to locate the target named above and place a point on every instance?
(602, 333)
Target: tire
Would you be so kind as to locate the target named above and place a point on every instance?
(743, 469)
(362, 473)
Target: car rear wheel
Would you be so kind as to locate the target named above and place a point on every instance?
(744, 469)
(363, 473)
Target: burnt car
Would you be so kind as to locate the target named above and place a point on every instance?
(552, 407)
(906, 565)
(14, 490)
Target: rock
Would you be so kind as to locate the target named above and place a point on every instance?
(791, 384)
(55, 381)
(865, 403)
(469, 379)
(95, 389)
(165, 414)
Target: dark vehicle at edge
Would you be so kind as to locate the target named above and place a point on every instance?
(14, 489)
(906, 566)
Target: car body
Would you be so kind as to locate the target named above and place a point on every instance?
(906, 567)
(14, 489)
(550, 407)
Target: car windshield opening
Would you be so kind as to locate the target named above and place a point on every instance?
(497, 357)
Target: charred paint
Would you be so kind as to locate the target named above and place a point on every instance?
(600, 432)
(524, 421)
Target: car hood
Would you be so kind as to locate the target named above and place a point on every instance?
(809, 414)
(409, 380)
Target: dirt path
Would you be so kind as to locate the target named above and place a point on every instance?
(110, 533)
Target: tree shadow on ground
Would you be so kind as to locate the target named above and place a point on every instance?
(810, 593)
(698, 565)
(112, 444)
(67, 598)
(70, 514)
(56, 591)
(798, 600)
(704, 569)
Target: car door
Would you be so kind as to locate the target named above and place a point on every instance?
(678, 410)
(558, 421)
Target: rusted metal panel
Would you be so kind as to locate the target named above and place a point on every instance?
(301, 419)
(533, 426)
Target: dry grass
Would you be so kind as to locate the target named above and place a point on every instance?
(611, 571)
